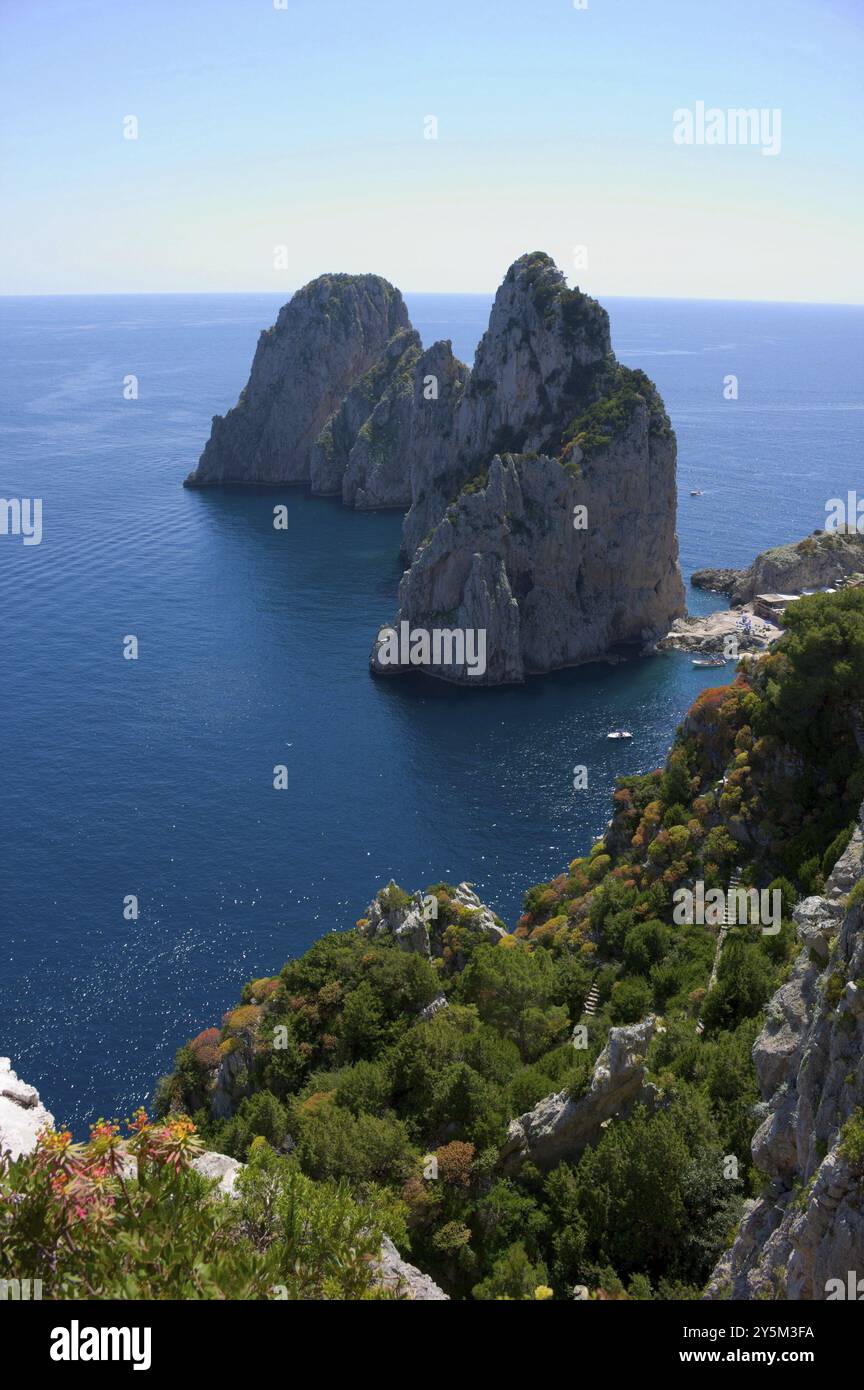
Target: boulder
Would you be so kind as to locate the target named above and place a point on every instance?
(560, 1128)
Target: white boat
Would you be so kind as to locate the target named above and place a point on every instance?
(694, 492)
(709, 661)
(620, 733)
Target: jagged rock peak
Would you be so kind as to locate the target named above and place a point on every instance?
(545, 357)
(324, 339)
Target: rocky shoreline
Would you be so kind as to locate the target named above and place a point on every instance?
(819, 561)
(712, 633)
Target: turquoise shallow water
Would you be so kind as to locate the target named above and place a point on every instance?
(154, 777)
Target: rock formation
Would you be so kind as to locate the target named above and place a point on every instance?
(22, 1114)
(819, 561)
(540, 362)
(560, 1127)
(808, 1229)
(414, 925)
(489, 464)
(324, 341)
(362, 452)
(563, 547)
(436, 470)
(404, 1280)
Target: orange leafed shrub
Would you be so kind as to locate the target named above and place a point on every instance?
(206, 1047)
(454, 1163)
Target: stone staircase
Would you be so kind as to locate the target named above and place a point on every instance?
(591, 1000)
(727, 922)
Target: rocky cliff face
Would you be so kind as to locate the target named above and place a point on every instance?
(819, 561)
(540, 362)
(323, 342)
(809, 1228)
(564, 546)
(435, 472)
(332, 450)
(507, 559)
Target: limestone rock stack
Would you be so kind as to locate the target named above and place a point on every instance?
(323, 342)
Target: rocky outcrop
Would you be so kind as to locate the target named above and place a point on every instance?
(808, 1228)
(712, 632)
(229, 1081)
(493, 465)
(560, 1127)
(404, 1280)
(22, 1114)
(540, 362)
(413, 922)
(560, 545)
(324, 341)
(822, 560)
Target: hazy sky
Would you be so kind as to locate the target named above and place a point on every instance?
(303, 128)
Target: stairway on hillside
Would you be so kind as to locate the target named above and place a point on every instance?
(591, 1000)
(727, 922)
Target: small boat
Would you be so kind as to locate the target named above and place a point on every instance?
(709, 661)
(620, 733)
(694, 492)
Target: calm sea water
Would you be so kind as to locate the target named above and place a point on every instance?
(154, 777)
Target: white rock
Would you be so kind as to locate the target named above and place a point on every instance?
(22, 1114)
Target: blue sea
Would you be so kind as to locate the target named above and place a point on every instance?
(154, 777)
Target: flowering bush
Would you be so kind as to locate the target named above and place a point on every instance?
(130, 1218)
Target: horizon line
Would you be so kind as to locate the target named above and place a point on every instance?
(453, 294)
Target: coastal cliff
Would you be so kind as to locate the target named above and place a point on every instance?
(562, 548)
(804, 1236)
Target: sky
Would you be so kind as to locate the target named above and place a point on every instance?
(280, 139)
